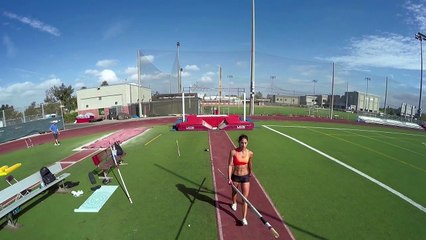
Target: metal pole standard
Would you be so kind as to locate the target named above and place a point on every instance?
(332, 94)
(183, 107)
(244, 106)
(253, 51)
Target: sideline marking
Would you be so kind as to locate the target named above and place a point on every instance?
(405, 198)
(216, 199)
(153, 139)
(350, 129)
(371, 150)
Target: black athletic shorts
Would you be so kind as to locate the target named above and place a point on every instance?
(240, 179)
(55, 135)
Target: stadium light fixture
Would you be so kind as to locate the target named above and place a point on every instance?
(421, 37)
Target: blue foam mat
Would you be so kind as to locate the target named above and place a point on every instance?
(95, 202)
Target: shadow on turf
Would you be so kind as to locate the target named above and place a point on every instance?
(25, 209)
(305, 231)
(224, 206)
(195, 194)
(179, 176)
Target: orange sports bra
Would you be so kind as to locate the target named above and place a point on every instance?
(239, 162)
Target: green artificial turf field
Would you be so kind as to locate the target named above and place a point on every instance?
(318, 198)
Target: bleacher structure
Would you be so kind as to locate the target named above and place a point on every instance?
(213, 122)
(389, 122)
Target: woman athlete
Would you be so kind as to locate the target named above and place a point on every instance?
(239, 172)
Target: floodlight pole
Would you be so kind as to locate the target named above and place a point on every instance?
(139, 83)
(347, 95)
(42, 110)
(220, 89)
(314, 81)
(420, 36)
(178, 69)
(386, 96)
(366, 93)
(62, 114)
(332, 93)
(252, 74)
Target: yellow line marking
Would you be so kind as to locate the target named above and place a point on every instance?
(152, 139)
(393, 145)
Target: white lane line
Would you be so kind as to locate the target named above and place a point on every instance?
(218, 219)
(350, 129)
(402, 196)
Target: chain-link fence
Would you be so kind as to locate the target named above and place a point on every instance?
(11, 116)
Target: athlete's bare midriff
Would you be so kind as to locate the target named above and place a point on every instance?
(241, 170)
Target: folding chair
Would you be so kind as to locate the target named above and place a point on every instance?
(29, 142)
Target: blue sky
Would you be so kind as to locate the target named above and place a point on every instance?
(82, 43)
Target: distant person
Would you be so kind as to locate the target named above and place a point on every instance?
(55, 131)
(239, 172)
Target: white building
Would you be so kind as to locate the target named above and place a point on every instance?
(363, 102)
(100, 101)
(309, 100)
(284, 99)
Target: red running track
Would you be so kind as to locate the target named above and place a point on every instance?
(89, 129)
(229, 221)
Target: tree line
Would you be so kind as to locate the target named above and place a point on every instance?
(55, 97)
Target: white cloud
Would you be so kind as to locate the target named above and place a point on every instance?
(10, 46)
(154, 77)
(417, 13)
(91, 72)
(34, 23)
(104, 75)
(147, 59)
(207, 77)
(49, 83)
(79, 85)
(185, 74)
(191, 68)
(106, 63)
(115, 29)
(107, 75)
(242, 63)
(28, 92)
(132, 73)
(391, 51)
